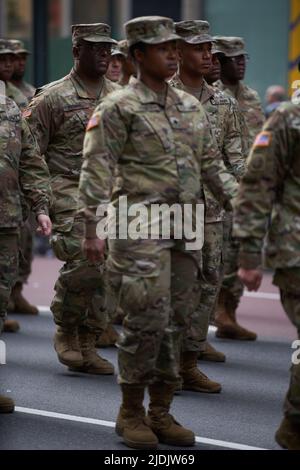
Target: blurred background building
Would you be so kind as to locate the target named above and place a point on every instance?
(271, 29)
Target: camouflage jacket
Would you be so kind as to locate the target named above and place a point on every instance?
(250, 107)
(15, 94)
(27, 90)
(160, 151)
(57, 116)
(21, 168)
(222, 114)
(269, 194)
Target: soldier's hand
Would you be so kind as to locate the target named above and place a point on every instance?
(94, 249)
(45, 225)
(251, 278)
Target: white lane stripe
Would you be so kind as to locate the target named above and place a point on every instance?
(262, 295)
(111, 424)
(44, 309)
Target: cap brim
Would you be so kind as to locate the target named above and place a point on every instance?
(98, 38)
(201, 39)
(156, 39)
(7, 51)
(118, 53)
(217, 51)
(236, 54)
(23, 51)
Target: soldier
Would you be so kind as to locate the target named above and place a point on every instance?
(157, 138)
(233, 67)
(58, 116)
(114, 70)
(22, 169)
(128, 66)
(195, 56)
(269, 203)
(7, 63)
(17, 79)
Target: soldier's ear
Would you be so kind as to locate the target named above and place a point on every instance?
(75, 50)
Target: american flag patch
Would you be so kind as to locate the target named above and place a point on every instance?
(93, 122)
(263, 139)
(26, 113)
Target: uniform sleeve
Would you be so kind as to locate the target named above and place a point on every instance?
(33, 174)
(213, 170)
(103, 145)
(256, 117)
(232, 149)
(259, 188)
(40, 116)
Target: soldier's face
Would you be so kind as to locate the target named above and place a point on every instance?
(234, 68)
(93, 57)
(158, 60)
(195, 58)
(215, 70)
(20, 65)
(6, 66)
(115, 68)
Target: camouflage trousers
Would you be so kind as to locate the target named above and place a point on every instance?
(288, 280)
(156, 283)
(232, 285)
(210, 284)
(80, 289)
(9, 257)
(26, 252)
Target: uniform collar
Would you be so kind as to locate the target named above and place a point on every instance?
(147, 96)
(80, 87)
(207, 92)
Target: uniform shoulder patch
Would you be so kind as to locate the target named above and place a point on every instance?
(93, 122)
(27, 113)
(263, 139)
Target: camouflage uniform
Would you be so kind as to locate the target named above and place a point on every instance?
(270, 196)
(222, 114)
(22, 168)
(252, 113)
(58, 116)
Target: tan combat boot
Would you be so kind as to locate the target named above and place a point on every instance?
(211, 354)
(19, 303)
(10, 326)
(131, 422)
(193, 378)
(92, 363)
(108, 338)
(225, 320)
(288, 435)
(6, 404)
(67, 347)
(164, 426)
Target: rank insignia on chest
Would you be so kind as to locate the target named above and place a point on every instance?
(93, 122)
(263, 139)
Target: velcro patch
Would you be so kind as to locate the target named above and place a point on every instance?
(93, 122)
(26, 113)
(263, 139)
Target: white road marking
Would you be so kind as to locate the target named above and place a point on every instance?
(44, 309)
(111, 424)
(262, 295)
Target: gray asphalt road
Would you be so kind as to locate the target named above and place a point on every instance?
(247, 412)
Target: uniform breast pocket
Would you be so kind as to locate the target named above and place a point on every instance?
(76, 120)
(151, 133)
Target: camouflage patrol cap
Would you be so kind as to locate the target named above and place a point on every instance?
(123, 47)
(150, 30)
(117, 51)
(230, 46)
(95, 32)
(6, 47)
(194, 32)
(18, 46)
